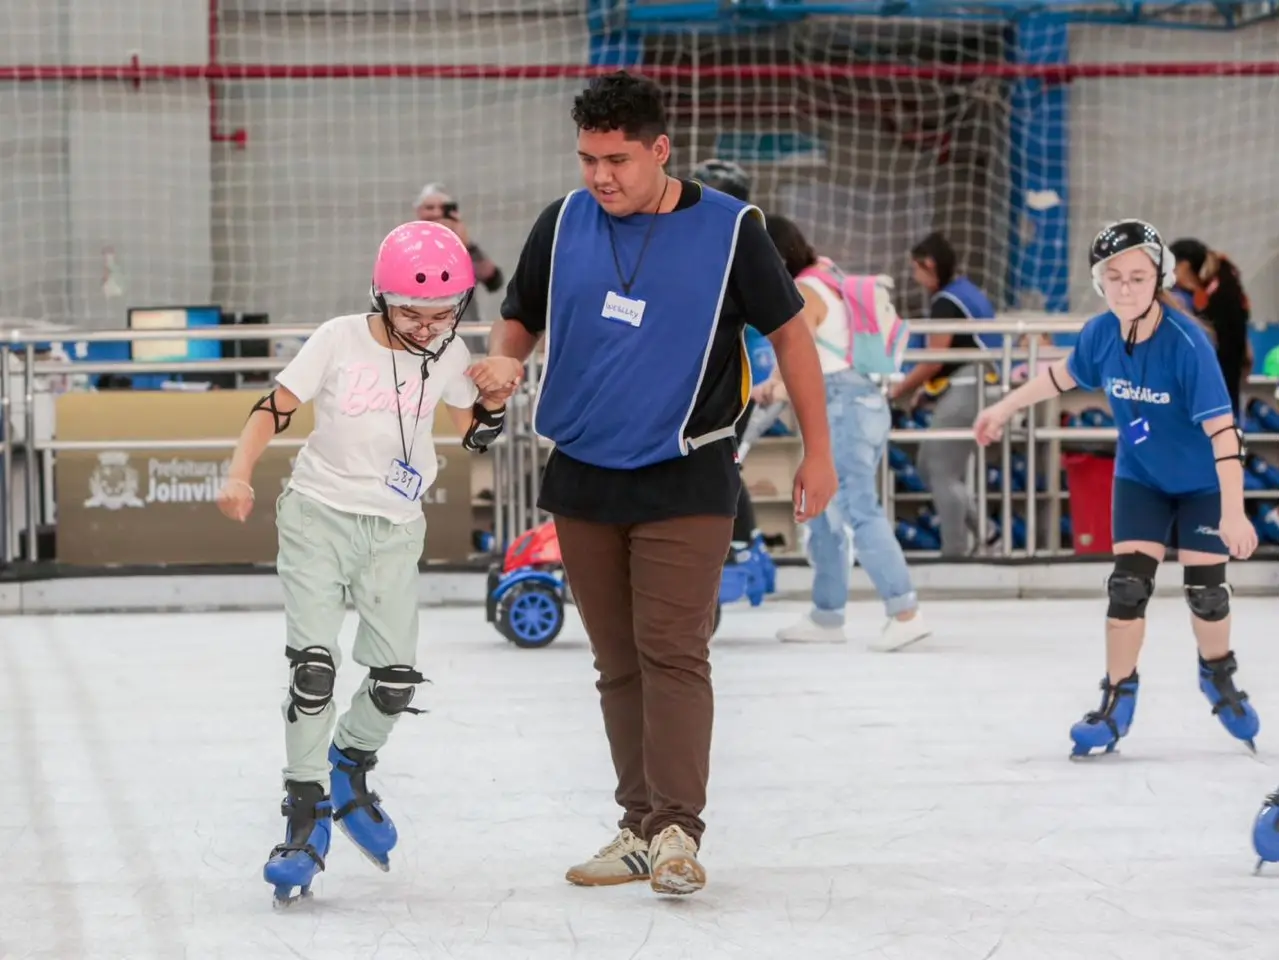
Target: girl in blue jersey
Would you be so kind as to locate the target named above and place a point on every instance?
(1179, 472)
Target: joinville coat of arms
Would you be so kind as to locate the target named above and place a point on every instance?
(113, 483)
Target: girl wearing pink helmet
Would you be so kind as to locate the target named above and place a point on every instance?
(351, 520)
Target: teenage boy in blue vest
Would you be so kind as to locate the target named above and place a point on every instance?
(642, 285)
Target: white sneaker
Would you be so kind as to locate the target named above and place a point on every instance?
(623, 860)
(900, 633)
(807, 630)
(673, 856)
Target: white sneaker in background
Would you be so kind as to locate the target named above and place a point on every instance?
(900, 633)
(623, 860)
(807, 630)
(673, 857)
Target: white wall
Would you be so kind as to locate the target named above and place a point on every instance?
(92, 167)
(1196, 156)
(289, 224)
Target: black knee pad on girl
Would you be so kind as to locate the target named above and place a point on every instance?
(1207, 591)
(1130, 586)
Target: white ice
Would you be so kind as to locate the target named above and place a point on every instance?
(911, 806)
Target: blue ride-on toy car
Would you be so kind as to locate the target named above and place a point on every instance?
(527, 592)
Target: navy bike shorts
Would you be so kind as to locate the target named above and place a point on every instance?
(1189, 522)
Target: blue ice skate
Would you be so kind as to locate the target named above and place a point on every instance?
(296, 862)
(357, 810)
(1266, 839)
(764, 561)
(1231, 706)
(1102, 729)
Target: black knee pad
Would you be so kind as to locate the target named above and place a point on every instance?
(310, 680)
(1207, 591)
(1130, 586)
(392, 689)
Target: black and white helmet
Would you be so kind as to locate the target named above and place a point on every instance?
(1116, 238)
(725, 176)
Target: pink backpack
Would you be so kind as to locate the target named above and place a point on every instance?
(877, 335)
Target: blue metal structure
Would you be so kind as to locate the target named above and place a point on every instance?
(1035, 36)
(640, 16)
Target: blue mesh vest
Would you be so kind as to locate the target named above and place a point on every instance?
(619, 394)
(965, 294)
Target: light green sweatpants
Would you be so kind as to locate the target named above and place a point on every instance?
(324, 553)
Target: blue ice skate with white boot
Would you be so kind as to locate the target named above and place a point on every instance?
(1102, 729)
(356, 809)
(1231, 706)
(296, 862)
(1266, 839)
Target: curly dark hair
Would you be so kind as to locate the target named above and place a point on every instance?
(620, 101)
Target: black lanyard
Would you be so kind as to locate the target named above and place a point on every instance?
(1142, 369)
(613, 244)
(407, 449)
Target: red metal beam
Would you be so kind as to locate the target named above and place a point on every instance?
(237, 138)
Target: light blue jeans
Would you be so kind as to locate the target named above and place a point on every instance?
(859, 419)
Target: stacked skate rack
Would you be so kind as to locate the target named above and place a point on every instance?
(1036, 437)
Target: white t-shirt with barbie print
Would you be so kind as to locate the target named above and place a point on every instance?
(359, 412)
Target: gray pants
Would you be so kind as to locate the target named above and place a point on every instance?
(944, 464)
(324, 553)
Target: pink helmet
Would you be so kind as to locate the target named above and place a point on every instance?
(423, 264)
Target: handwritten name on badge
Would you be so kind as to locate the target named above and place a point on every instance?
(623, 309)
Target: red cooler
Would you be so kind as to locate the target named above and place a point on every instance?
(1089, 481)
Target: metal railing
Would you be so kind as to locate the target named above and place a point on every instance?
(519, 454)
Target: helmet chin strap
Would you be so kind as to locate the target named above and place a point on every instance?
(1131, 336)
(423, 352)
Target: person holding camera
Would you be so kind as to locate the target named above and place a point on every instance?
(436, 206)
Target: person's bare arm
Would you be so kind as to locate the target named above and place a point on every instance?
(511, 338)
(1041, 387)
(922, 373)
(1226, 450)
(801, 372)
(257, 432)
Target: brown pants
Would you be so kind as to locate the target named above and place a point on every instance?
(647, 595)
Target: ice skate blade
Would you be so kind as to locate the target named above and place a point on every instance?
(383, 865)
(679, 877)
(1085, 753)
(284, 900)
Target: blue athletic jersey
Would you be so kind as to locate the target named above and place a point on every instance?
(760, 352)
(1173, 382)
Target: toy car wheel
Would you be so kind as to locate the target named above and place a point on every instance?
(490, 587)
(531, 615)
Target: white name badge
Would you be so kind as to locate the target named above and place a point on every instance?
(404, 480)
(623, 309)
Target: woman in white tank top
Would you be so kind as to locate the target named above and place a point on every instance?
(860, 420)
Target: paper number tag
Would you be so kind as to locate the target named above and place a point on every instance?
(1138, 431)
(623, 309)
(404, 480)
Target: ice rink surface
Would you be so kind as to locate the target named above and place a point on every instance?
(910, 806)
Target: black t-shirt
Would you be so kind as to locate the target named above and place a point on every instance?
(705, 482)
(944, 308)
